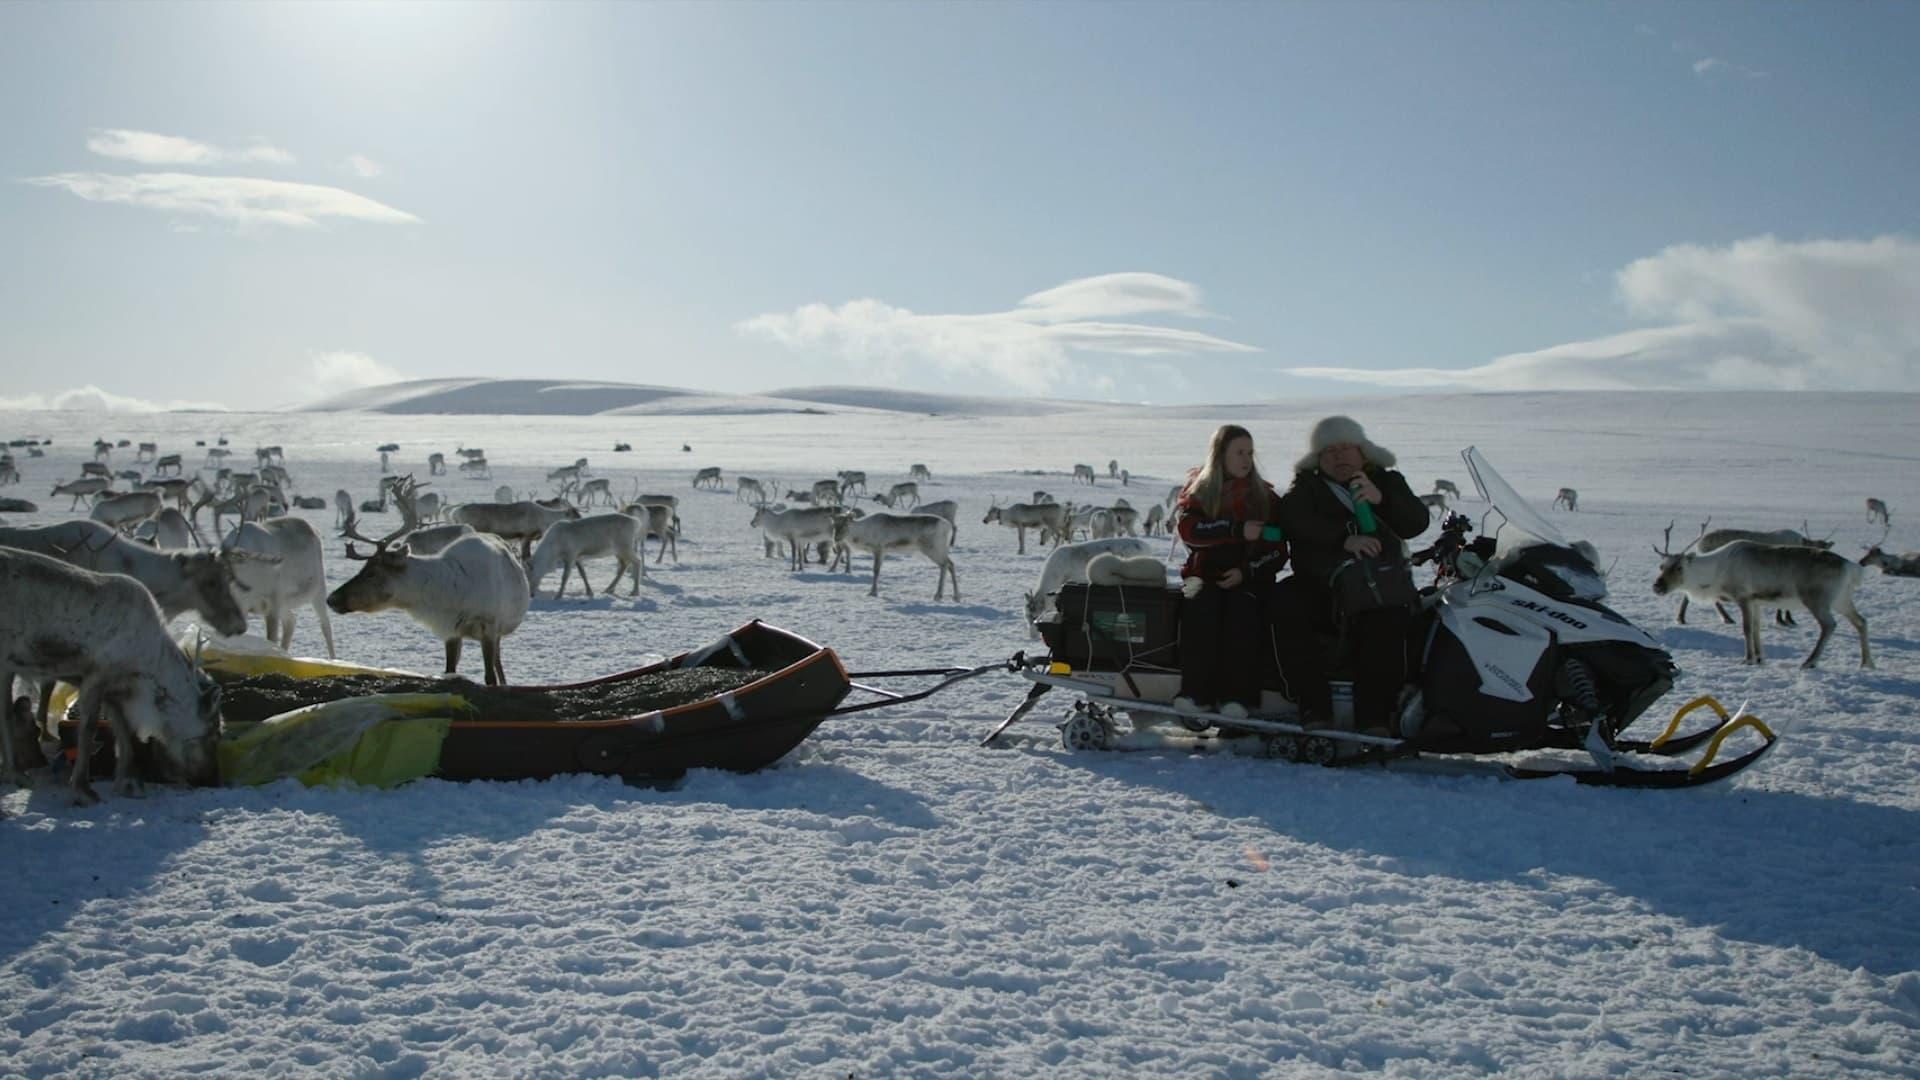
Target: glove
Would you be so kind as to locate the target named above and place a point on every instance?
(1190, 587)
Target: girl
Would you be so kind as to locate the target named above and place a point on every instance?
(1224, 513)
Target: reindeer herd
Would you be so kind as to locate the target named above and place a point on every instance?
(87, 602)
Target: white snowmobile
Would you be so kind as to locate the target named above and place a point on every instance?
(1516, 652)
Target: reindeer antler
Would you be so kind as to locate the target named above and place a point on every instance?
(1697, 539)
(408, 521)
(1666, 542)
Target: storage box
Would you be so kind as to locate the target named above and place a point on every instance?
(1113, 627)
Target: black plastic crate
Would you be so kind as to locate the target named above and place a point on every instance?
(1111, 627)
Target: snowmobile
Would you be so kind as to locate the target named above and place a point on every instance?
(1513, 650)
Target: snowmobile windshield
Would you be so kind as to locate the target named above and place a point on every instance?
(1567, 569)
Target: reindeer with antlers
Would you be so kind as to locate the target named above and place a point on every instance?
(1748, 574)
(1892, 565)
(474, 589)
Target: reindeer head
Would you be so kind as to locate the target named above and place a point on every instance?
(1673, 564)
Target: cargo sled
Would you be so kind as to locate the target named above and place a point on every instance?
(1514, 651)
(741, 704)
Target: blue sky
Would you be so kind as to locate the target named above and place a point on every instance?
(257, 204)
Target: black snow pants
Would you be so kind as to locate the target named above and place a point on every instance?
(1303, 617)
(1222, 635)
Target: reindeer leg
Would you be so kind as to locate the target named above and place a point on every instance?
(286, 632)
(584, 583)
(877, 553)
(326, 625)
(453, 655)
(1784, 617)
(124, 782)
(1681, 616)
(1750, 630)
(954, 573)
(9, 770)
(1021, 532)
(1825, 619)
(1859, 621)
(89, 705)
(1724, 617)
(490, 659)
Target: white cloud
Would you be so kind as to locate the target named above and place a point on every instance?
(362, 166)
(1707, 65)
(333, 373)
(246, 201)
(1760, 314)
(148, 148)
(1030, 349)
(94, 399)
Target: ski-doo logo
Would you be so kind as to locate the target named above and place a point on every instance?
(1551, 613)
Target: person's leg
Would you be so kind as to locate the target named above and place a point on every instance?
(1295, 608)
(1379, 665)
(1242, 636)
(1200, 647)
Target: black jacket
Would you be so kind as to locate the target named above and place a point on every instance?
(1317, 523)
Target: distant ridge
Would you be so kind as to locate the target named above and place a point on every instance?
(574, 397)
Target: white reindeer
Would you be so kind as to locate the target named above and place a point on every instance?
(1435, 501)
(1156, 517)
(146, 451)
(1083, 472)
(475, 589)
(918, 472)
(944, 508)
(87, 487)
(1877, 511)
(282, 570)
(104, 634)
(434, 539)
(167, 463)
(850, 479)
(168, 530)
(1719, 538)
(342, 507)
(907, 493)
(828, 492)
(880, 533)
(1447, 488)
(596, 490)
(1068, 563)
(1907, 565)
(179, 581)
(708, 477)
(566, 543)
(799, 528)
(748, 490)
(1746, 573)
(1049, 518)
(436, 464)
(523, 521)
(123, 511)
(656, 519)
(1568, 498)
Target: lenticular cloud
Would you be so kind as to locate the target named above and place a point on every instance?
(1761, 314)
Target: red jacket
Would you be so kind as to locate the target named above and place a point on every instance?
(1217, 544)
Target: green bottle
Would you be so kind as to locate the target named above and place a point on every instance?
(1363, 513)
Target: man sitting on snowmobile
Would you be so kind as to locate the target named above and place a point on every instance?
(1346, 503)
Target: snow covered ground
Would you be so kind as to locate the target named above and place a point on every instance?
(893, 900)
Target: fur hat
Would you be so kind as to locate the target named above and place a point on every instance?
(1335, 430)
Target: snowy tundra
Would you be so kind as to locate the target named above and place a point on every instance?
(893, 900)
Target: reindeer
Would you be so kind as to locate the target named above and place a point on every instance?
(1126, 478)
(748, 490)
(799, 527)
(168, 530)
(436, 464)
(1907, 565)
(943, 508)
(9, 471)
(1567, 497)
(708, 477)
(524, 521)
(87, 487)
(342, 507)
(908, 493)
(282, 569)
(597, 489)
(1113, 469)
(123, 511)
(177, 489)
(200, 582)
(1042, 497)
(656, 519)
(1877, 511)
(880, 533)
(105, 635)
(1047, 517)
(828, 492)
(216, 455)
(1173, 495)
(918, 472)
(167, 463)
(1435, 501)
(95, 468)
(1719, 538)
(471, 453)
(1083, 472)
(475, 589)
(1447, 488)
(102, 450)
(850, 479)
(146, 451)
(1747, 573)
(477, 468)
(568, 542)
(1068, 563)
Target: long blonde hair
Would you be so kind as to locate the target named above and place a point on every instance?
(1208, 485)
